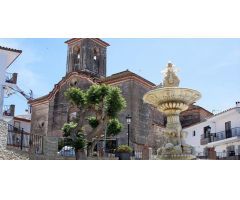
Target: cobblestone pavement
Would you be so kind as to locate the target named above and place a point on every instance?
(6, 154)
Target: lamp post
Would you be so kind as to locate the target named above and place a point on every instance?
(129, 119)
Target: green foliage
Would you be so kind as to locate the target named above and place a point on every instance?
(96, 93)
(103, 102)
(114, 102)
(80, 142)
(93, 122)
(114, 127)
(124, 149)
(68, 128)
(76, 96)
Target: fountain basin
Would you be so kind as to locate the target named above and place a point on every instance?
(168, 99)
(172, 100)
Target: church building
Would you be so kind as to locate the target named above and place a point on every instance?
(86, 65)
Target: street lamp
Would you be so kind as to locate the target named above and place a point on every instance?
(129, 119)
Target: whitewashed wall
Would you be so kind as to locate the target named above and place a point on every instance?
(23, 124)
(6, 58)
(217, 124)
(3, 62)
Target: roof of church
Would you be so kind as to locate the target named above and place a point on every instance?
(59, 84)
(126, 75)
(121, 76)
(98, 40)
(195, 107)
(10, 49)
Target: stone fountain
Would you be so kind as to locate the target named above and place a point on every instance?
(171, 100)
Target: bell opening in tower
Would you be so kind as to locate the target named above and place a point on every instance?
(87, 55)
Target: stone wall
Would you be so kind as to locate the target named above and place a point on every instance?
(49, 151)
(193, 115)
(59, 106)
(3, 134)
(81, 57)
(9, 153)
(143, 115)
(39, 121)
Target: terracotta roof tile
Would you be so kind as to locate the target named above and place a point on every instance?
(10, 49)
(95, 39)
(124, 74)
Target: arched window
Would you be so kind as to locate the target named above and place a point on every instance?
(96, 60)
(76, 58)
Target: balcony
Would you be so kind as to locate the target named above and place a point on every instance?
(204, 141)
(9, 110)
(214, 137)
(11, 78)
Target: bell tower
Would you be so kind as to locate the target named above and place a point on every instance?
(88, 55)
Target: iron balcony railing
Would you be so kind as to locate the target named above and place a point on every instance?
(22, 140)
(11, 78)
(204, 141)
(214, 137)
(17, 137)
(225, 155)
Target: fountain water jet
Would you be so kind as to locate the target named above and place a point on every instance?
(171, 100)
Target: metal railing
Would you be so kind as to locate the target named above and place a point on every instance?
(214, 137)
(11, 78)
(18, 138)
(225, 155)
(204, 141)
(36, 143)
(233, 155)
(24, 141)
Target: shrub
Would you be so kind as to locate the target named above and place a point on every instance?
(124, 149)
(114, 127)
(68, 128)
(93, 122)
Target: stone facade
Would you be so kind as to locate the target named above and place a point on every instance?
(143, 115)
(7, 153)
(50, 112)
(193, 115)
(87, 55)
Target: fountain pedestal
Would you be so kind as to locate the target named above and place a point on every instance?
(172, 100)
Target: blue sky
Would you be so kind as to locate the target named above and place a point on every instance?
(211, 66)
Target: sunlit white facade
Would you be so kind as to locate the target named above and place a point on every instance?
(219, 134)
(7, 57)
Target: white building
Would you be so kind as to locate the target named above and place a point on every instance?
(19, 131)
(22, 122)
(217, 136)
(7, 80)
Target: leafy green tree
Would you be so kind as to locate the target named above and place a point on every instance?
(98, 109)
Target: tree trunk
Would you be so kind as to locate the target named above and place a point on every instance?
(80, 154)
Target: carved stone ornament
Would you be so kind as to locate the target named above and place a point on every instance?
(170, 77)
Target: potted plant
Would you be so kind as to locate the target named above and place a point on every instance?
(124, 152)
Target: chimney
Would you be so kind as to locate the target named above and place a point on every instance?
(12, 110)
(238, 104)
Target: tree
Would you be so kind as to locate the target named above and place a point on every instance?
(74, 137)
(97, 113)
